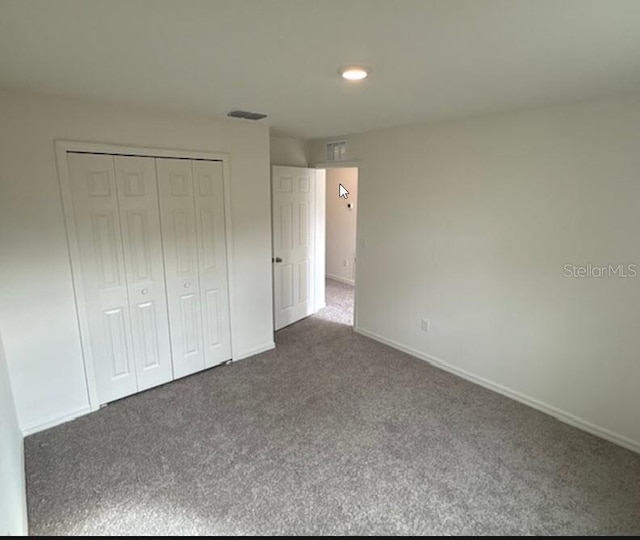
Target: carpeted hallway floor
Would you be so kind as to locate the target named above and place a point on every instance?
(331, 433)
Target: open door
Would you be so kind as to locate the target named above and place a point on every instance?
(296, 228)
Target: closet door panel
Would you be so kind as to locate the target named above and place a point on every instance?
(144, 268)
(99, 237)
(178, 222)
(212, 260)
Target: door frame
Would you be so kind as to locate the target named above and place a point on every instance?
(349, 164)
(62, 147)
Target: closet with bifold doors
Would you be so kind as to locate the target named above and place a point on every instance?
(150, 267)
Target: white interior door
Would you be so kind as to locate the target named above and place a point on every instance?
(212, 260)
(293, 208)
(178, 221)
(140, 223)
(99, 237)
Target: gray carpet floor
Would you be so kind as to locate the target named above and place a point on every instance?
(331, 433)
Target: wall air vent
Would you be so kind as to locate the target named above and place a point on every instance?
(247, 115)
(336, 151)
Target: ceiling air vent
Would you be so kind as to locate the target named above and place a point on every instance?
(336, 151)
(247, 115)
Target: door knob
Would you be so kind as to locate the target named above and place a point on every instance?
(277, 259)
(187, 285)
(144, 291)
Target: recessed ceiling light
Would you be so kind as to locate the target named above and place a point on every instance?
(354, 73)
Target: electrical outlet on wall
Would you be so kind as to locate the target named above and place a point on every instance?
(425, 325)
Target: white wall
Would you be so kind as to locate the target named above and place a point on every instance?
(470, 224)
(288, 151)
(13, 505)
(341, 224)
(37, 310)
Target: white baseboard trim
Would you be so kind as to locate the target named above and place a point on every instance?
(54, 421)
(561, 415)
(253, 352)
(341, 279)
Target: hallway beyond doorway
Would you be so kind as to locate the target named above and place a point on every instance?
(339, 302)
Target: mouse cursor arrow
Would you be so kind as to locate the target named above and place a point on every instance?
(343, 193)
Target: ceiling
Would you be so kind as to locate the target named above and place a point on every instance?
(431, 59)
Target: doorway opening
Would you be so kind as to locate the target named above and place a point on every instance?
(341, 207)
(314, 215)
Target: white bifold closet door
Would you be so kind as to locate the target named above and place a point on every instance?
(193, 233)
(115, 202)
